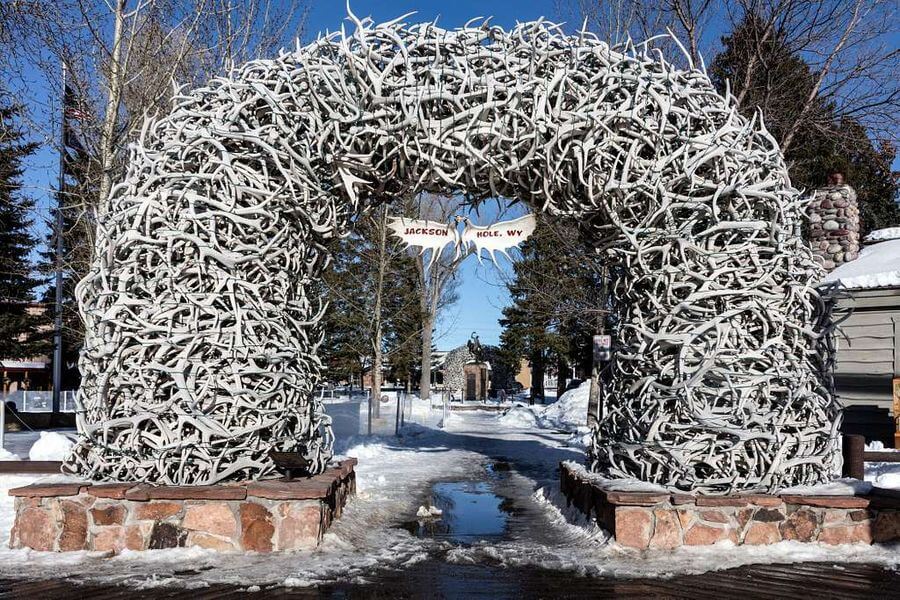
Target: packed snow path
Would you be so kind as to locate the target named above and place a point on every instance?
(373, 540)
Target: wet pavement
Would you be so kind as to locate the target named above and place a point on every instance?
(439, 579)
(466, 512)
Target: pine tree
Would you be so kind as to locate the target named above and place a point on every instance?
(19, 335)
(403, 323)
(347, 288)
(556, 303)
(777, 86)
(373, 311)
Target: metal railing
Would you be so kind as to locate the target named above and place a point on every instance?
(855, 455)
(35, 401)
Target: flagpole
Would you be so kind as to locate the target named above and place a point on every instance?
(57, 328)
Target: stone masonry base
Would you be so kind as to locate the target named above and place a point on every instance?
(651, 520)
(261, 516)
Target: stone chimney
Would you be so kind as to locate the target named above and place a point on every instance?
(834, 222)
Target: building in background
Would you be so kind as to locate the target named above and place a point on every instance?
(867, 367)
(32, 373)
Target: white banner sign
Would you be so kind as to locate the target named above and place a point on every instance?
(429, 235)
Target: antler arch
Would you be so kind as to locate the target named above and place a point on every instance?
(202, 331)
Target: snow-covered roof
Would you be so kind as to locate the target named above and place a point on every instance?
(878, 266)
(22, 364)
(881, 235)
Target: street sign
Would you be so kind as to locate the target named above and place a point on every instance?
(602, 348)
(429, 235)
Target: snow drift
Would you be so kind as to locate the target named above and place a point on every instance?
(51, 446)
(877, 266)
(569, 413)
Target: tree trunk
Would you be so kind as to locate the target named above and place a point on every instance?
(113, 100)
(376, 384)
(593, 413)
(537, 377)
(425, 378)
(377, 319)
(561, 370)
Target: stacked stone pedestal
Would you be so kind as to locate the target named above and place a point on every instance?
(261, 516)
(660, 520)
(834, 225)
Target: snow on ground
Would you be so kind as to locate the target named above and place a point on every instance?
(880, 235)
(51, 445)
(394, 479)
(569, 413)
(7, 455)
(570, 542)
(883, 474)
(878, 265)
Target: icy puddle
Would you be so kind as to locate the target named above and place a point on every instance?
(465, 512)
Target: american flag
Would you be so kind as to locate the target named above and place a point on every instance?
(71, 109)
(76, 113)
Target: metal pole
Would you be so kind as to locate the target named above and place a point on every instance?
(397, 421)
(403, 413)
(57, 326)
(369, 401)
(853, 450)
(2, 421)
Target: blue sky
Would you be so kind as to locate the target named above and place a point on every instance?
(482, 291)
(329, 15)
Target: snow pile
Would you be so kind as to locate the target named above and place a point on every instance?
(425, 512)
(882, 474)
(889, 479)
(838, 487)
(7, 455)
(882, 235)
(520, 416)
(613, 485)
(51, 446)
(569, 413)
(611, 560)
(877, 266)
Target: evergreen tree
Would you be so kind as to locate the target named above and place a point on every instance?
(778, 84)
(373, 311)
(19, 336)
(557, 304)
(404, 323)
(345, 351)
